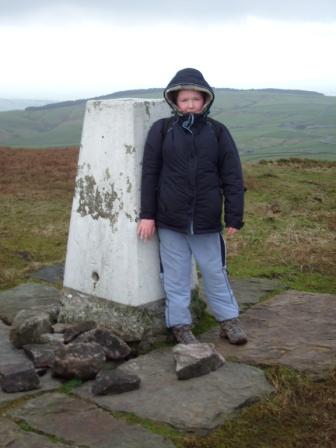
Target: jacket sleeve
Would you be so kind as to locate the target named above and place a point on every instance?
(231, 177)
(151, 168)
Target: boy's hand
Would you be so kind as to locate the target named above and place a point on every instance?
(146, 229)
(231, 231)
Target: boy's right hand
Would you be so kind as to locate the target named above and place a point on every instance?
(146, 229)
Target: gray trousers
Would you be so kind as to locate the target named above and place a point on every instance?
(176, 251)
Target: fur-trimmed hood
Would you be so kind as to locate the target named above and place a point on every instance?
(190, 79)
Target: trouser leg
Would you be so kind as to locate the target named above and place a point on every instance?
(175, 256)
(209, 252)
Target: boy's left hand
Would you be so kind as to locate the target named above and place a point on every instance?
(231, 231)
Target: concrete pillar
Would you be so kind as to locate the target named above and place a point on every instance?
(104, 256)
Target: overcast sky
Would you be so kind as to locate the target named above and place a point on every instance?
(82, 48)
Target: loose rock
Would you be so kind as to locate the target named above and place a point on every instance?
(114, 382)
(194, 360)
(42, 355)
(18, 377)
(28, 326)
(52, 338)
(75, 330)
(114, 347)
(60, 328)
(81, 360)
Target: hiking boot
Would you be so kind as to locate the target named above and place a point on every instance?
(231, 330)
(184, 335)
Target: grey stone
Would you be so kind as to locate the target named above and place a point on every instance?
(249, 291)
(52, 274)
(199, 404)
(295, 329)
(81, 423)
(114, 347)
(127, 322)
(28, 326)
(52, 338)
(114, 382)
(18, 377)
(82, 360)
(11, 435)
(28, 296)
(11, 355)
(75, 330)
(60, 328)
(131, 324)
(8, 353)
(47, 383)
(194, 360)
(42, 355)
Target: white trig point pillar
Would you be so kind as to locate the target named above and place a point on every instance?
(105, 258)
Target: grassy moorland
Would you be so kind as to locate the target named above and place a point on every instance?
(266, 124)
(289, 230)
(289, 234)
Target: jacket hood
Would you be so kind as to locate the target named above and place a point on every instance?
(190, 79)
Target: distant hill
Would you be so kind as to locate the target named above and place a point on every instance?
(20, 104)
(265, 123)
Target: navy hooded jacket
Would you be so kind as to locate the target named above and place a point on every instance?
(189, 167)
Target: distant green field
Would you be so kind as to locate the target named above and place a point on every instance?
(265, 125)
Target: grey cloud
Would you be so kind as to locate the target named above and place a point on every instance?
(173, 10)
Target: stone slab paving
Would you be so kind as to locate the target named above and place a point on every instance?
(12, 436)
(78, 422)
(198, 404)
(295, 329)
(10, 355)
(27, 296)
(249, 291)
(52, 274)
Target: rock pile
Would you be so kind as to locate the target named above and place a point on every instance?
(79, 350)
(86, 352)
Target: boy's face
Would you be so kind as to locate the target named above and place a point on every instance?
(190, 101)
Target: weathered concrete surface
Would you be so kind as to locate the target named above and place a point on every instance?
(75, 421)
(197, 404)
(27, 296)
(105, 258)
(130, 323)
(12, 436)
(295, 329)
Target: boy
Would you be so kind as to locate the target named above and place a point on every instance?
(187, 168)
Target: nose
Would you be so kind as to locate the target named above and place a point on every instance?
(190, 104)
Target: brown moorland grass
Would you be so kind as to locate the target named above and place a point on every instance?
(36, 190)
